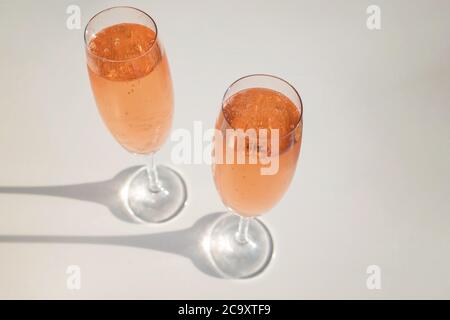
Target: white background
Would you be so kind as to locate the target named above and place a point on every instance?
(373, 180)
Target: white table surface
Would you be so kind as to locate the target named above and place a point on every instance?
(372, 185)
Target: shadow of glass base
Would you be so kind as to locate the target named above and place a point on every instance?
(190, 243)
(108, 193)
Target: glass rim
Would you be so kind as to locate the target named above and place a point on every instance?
(86, 45)
(267, 76)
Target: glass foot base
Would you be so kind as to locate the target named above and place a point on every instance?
(235, 259)
(147, 206)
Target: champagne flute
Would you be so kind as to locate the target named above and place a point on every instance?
(270, 108)
(130, 78)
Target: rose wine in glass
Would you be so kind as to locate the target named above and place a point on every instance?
(130, 78)
(135, 99)
(240, 245)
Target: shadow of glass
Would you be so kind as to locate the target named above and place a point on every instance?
(107, 193)
(190, 242)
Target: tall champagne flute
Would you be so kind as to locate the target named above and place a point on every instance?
(240, 245)
(132, 86)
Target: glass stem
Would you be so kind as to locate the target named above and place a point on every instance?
(242, 233)
(154, 183)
